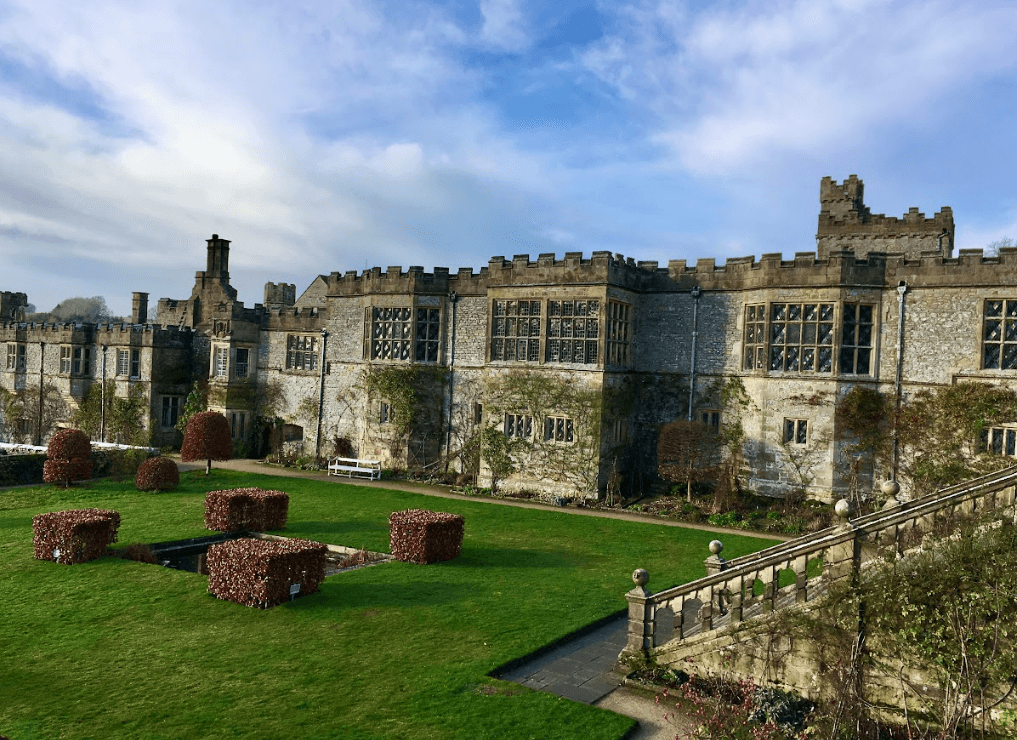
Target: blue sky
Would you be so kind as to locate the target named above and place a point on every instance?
(334, 136)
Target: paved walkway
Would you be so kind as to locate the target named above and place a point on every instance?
(581, 669)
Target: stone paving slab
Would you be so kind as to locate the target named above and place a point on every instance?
(581, 669)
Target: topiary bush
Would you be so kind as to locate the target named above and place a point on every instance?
(260, 573)
(157, 474)
(74, 536)
(68, 457)
(238, 509)
(423, 537)
(208, 438)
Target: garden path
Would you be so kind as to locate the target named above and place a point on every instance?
(256, 466)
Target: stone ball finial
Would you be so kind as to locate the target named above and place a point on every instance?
(890, 488)
(716, 547)
(843, 509)
(640, 577)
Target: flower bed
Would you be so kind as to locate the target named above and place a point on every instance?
(74, 536)
(260, 573)
(254, 509)
(422, 537)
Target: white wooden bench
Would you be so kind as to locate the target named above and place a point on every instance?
(351, 466)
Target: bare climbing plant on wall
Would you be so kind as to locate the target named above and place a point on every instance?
(946, 436)
(413, 395)
(564, 442)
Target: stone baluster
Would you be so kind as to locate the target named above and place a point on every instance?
(736, 589)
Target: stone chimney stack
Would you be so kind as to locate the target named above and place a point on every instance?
(218, 265)
(139, 308)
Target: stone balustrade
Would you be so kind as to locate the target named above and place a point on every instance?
(748, 586)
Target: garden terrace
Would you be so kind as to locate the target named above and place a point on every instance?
(120, 649)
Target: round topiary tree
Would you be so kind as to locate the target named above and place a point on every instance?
(157, 474)
(68, 457)
(207, 438)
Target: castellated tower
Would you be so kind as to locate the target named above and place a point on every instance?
(13, 306)
(845, 222)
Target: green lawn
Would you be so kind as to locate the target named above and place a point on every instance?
(117, 649)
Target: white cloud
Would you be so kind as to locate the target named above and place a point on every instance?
(747, 85)
(504, 25)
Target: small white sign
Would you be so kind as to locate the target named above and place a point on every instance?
(294, 589)
(56, 555)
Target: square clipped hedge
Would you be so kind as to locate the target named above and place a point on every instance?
(239, 509)
(422, 537)
(74, 536)
(259, 573)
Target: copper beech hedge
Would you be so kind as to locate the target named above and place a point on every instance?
(74, 536)
(259, 573)
(238, 509)
(68, 457)
(157, 474)
(422, 537)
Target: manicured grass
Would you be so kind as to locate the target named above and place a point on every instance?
(117, 649)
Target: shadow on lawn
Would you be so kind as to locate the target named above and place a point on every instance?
(511, 557)
(370, 595)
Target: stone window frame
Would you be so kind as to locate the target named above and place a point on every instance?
(801, 337)
(858, 352)
(81, 360)
(710, 418)
(1000, 439)
(795, 431)
(754, 337)
(809, 344)
(65, 359)
(75, 360)
(220, 362)
(170, 411)
(301, 352)
(567, 318)
(386, 414)
(238, 425)
(999, 334)
(241, 367)
(404, 333)
(559, 430)
(123, 362)
(516, 328)
(518, 426)
(619, 431)
(618, 333)
(17, 357)
(135, 363)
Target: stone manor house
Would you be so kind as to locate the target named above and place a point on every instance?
(576, 362)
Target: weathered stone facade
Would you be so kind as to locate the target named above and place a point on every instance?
(578, 360)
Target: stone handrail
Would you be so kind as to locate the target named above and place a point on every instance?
(731, 590)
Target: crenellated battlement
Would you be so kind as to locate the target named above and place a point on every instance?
(600, 268)
(845, 222)
(102, 333)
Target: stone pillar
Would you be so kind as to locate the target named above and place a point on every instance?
(715, 563)
(842, 560)
(641, 618)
